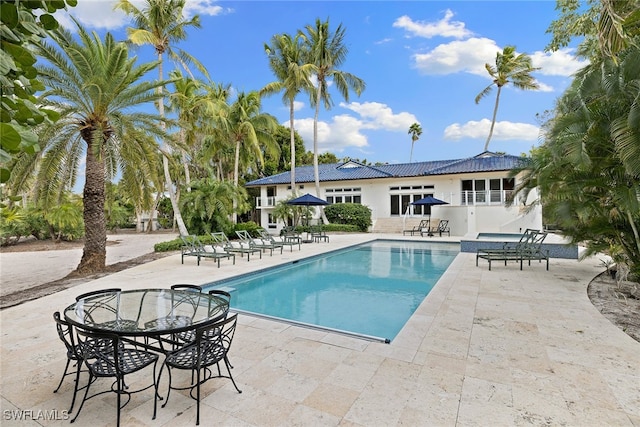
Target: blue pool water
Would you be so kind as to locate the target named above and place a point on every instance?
(500, 236)
(369, 290)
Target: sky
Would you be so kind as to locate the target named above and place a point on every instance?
(422, 62)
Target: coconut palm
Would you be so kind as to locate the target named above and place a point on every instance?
(249, 130)
(327, 52)
(161, 24)
(509, 68)
(415, 130)
(286, 60)
(95, 87)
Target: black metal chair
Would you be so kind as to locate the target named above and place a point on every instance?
(98, 292)
(106, 305)
(113, 361)
(65, 332)
(210, 347)
(187, 336)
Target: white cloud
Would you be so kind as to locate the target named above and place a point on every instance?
(543, 87)
(101, 14)
(502, 131)
(442, 28)
(95, 14)
(458, 56)
(383, 41)
(380, 116)
(203, 8)
(559, 63)
(298, 105)
(343, 132)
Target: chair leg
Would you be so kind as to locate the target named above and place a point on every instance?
(198, 399)
(64, 374)
(119, 393)
(169, 388)
(228, 365)
(75, 387)
(84, 399)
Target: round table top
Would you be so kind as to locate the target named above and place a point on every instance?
(146, 311)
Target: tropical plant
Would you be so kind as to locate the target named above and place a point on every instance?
(250, 131)
(605, 27)
(22, 24)
(162, 24)
(508, 68)
(326, 51)
(290, 214)
(65, 219)
(286, 60)
(415, 130)
(13, 225)
(95, 87)
(588, 170)
(209, 204)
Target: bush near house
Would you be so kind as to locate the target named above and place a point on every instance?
(349, 213)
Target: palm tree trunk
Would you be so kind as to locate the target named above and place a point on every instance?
(316, 172)
(236, 171)
(182, 228)
(411, 155)
(293, 149)
(94, 253)
(185, 163)
(493, 121)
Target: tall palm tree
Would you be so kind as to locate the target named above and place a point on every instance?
(286, 60)
(249, 130)
(95, 87)
(327, 52)
(415, 130)
(512, 69)
(161, 24)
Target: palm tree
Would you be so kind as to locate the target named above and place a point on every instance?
(95, 87)
(161, 24)
(249, 130)
(327, 52)
(512, 69)
(286, 54)
(587, 172)
(415, 130)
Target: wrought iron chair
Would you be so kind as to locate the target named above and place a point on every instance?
(98, 292)
(65, 332)
(107, 306)
(113, 361)
(210, 347)
(187, 336)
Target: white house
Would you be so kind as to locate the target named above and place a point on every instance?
(475, 188)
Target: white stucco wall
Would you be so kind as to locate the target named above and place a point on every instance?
(463, 219)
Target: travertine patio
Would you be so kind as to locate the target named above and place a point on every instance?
(500, 348)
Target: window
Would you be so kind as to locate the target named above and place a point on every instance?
(344, 195)
(401, 197)
(486, 191)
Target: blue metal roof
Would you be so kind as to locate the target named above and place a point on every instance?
(351, 170)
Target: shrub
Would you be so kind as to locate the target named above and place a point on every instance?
(349, 213)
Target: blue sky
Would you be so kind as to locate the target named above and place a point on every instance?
(422, 61)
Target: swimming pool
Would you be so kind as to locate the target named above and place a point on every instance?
(368, 290)
(500, 236)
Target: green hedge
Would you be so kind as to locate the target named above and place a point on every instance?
(349, 213)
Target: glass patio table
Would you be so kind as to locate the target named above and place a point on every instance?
(149, 313)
